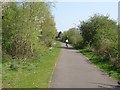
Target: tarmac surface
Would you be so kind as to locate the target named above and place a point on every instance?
(74, 70)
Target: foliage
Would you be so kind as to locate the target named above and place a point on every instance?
(28, 28)
(73, 36)
(101, 34)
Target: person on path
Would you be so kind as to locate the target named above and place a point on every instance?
(66, 42)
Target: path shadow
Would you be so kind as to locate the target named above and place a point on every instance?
(103, 85)
(66, 47)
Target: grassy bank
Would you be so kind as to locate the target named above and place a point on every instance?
(104, 65)
(30, 73)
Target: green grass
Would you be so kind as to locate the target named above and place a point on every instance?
(30, 73)
(102, 64)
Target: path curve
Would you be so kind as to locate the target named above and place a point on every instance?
(73, 70)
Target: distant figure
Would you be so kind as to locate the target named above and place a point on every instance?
(66, 42)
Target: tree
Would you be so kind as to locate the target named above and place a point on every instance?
(25, 26)
(101, 34)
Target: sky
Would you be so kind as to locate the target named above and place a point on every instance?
(69, 14)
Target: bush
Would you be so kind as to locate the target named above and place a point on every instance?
(25, 26)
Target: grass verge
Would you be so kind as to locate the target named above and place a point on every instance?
(104, 65)
(30, 73)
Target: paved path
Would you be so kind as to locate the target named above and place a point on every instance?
(73, 70)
